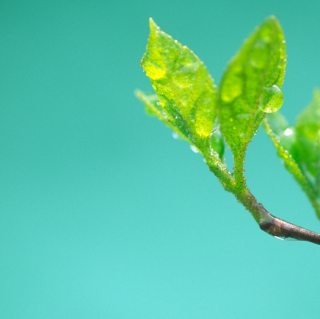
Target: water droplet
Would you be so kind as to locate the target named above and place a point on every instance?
(287, 140)
(175, 135)
(164, 115)
(277, 237)
(215, 129)
(273, 99)
(285, 238)
(288, 132)
(194, 149)
(158, 103)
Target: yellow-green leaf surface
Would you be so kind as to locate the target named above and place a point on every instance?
(185, 89)
(251, 85)
(289, 148)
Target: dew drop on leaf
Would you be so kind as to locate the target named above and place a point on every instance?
(194, 149)
(288, 132)
(175, 135)
(273, 99)
(215, 129)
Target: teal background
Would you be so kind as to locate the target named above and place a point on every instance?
(102, 213)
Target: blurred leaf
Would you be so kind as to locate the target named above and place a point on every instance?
(152, 104)
(184, 87)
(251, 84)
(299, 154)
(308, 122)
(277, 122)
(308, 141)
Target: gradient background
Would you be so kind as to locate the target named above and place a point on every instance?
(103, 213)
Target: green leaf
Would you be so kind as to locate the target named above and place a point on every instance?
(184, 87)
(308, 141)
(294, 153)
(251, 84)
(308, 122)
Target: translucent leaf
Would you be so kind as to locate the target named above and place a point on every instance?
(183, 85)
(152, 104)
(251, 84)
(181, 129)
(153, 107)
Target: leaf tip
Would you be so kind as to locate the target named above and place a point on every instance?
(137, 93)
(316, 93)
(272, 19)
(152, 24)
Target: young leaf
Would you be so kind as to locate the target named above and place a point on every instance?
(251, 84)
(184, 87)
